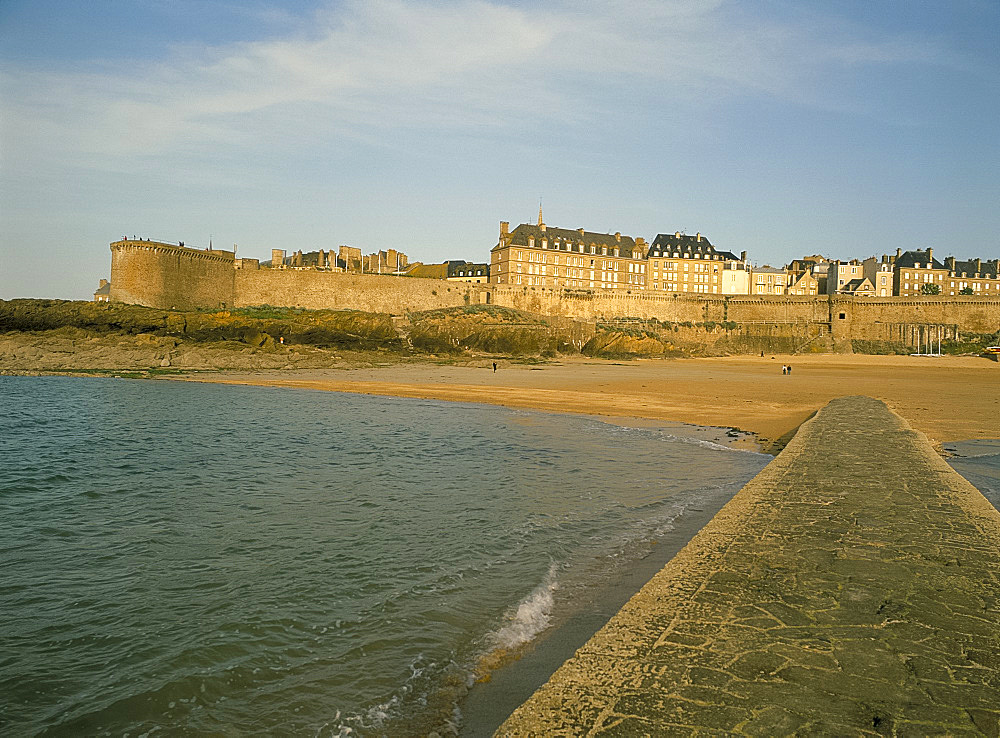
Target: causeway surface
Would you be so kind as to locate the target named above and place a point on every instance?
(851, 588)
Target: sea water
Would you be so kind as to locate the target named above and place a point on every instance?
(182, 558)
(979, 462)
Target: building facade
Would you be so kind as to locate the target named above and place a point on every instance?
(768, 280)
(802, 284)
(972, 277)
(464, 271)
(540, 256)
(918, 273)
(879, 273)
(841, 274)
(103, 291)
(681, 263)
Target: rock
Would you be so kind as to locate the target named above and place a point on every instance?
(165, 361)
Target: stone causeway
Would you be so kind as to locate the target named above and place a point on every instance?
(851, 588)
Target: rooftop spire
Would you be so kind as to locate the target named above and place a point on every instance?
(540, 221)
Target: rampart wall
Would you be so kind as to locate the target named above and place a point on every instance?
(166, 276)
(315, 290)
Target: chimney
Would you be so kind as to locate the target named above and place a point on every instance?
(618, 236)
(930, 258)
(743, 256)
(504, 229)
(899, 252)
(979, 267)
(580, 231)
(949, 262)
(677, 235)
(697, 237)
(103, 283)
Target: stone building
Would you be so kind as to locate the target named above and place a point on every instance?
(911, 270)
(350, 259)
(840, 275)
(816, 266)
(465, 271)
(103, 292)
(389, 261)
(879, 273)
(861, 287)
(321, 260)
(682, 263)
(972, 277)
(768, 280)
(802, 284)
(540, 256)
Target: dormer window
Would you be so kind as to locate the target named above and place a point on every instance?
(531, 242)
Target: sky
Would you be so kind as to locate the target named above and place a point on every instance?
(779, 127)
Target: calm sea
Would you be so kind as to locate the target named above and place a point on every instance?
(201, 559)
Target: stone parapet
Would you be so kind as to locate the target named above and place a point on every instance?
(851, 588)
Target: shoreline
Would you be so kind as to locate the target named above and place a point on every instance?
(947, 398)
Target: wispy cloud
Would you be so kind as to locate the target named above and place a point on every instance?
(372, 66)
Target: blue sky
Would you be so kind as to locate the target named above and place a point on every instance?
(779, 128)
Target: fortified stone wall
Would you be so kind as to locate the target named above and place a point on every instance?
(600, 305)
(164, 276)
(316, 290)
(975, 314)
(758, 309)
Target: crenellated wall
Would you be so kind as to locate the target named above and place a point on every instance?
(166, 276)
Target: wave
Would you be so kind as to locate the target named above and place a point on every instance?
(708, 444)
(531, 616)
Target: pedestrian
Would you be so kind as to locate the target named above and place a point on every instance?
(494, 367)
(784, 369)
(789, 368)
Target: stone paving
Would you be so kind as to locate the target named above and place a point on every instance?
(851, 588)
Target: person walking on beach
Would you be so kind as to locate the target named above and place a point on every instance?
(789, 368)
(494, 367)
(784, 369)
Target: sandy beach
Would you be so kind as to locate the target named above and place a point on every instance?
(948, 398)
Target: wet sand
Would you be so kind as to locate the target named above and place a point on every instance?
(948, 398)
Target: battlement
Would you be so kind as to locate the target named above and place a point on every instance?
(167, 275)
(162, 247)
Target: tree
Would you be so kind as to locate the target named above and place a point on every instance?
(929, 288)
(966, 291)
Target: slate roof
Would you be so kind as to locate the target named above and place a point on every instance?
(668, 244)
(468, 269)
(856, 285)
(908, 259)
(103, 290)
(520, 235)
(987, 269)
